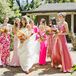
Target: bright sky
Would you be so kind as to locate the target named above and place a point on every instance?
(24, 1)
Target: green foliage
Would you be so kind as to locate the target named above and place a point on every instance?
(10, 2)
(12, 41)
(5, 9)
(73, 69)
(8, 7)
(34, 4)
(17, 13)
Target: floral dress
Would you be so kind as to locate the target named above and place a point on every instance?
(4, 47)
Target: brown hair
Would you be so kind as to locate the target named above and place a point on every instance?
(43, 21)
(24, 18)
(15, 24)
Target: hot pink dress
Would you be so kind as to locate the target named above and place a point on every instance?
(43, 47)
(60, 53)
(35, 29)
(4, 48)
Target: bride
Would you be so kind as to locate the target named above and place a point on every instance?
(28, 50)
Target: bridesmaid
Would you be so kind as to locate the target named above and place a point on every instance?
(42, 40)
(49, 29)
(15, 59)
(36, 42)
(5, 42)
(61, 55)
(50, 37)
(33, 26)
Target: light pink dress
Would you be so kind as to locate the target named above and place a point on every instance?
(60, 53)
(15, 58)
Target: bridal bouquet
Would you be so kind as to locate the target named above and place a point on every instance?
(21, 36)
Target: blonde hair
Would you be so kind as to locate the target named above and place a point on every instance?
(62, 14)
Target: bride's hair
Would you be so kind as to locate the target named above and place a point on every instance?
(24, 18)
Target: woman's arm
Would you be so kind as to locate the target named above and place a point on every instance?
(66, 32)
(66, 28)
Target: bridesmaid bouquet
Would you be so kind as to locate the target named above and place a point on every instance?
(3, 30)
(41, 37)
(21, 36)
(47, 32)
(55, 31)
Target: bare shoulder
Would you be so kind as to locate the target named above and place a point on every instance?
(65, 23)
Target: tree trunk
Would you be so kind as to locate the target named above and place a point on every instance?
(18, 2)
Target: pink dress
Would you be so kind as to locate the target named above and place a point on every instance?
(4, 48)
(0, 54)
(35, 29)
(50, 42)
(60, 53)
(43, 47)
(15, 58)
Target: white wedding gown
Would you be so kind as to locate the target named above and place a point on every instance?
(28, 51)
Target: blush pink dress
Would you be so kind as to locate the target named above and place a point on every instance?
(50, 43)
(60, 53)
(15, 58)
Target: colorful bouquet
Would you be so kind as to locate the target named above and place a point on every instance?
(55, 31)
(3, 30)
(47, 32)
(21, 36)
(41, 37)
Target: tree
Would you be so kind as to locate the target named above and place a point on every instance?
(18, 2)
(5, 9)
(10, 2)
(32, 5)
(14, 7)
